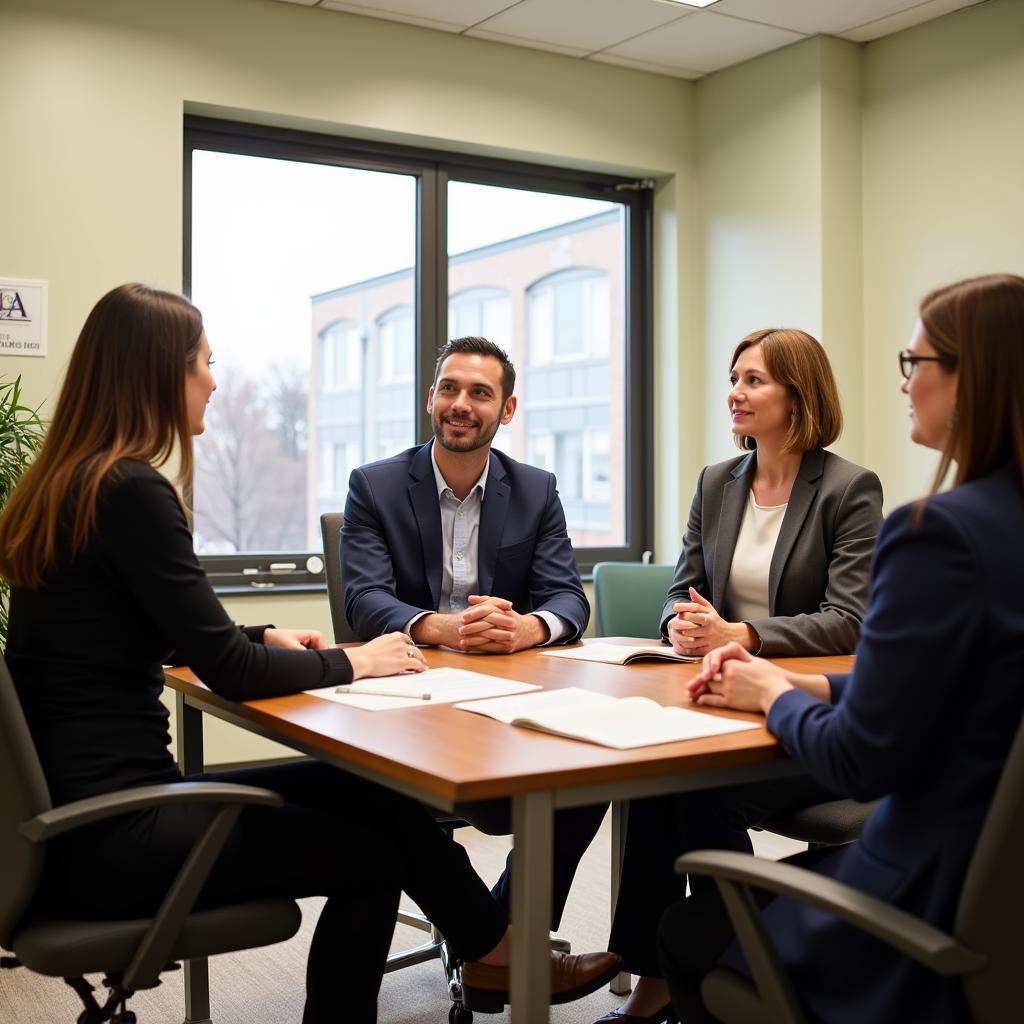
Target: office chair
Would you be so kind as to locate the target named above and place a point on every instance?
(130, 953)
(330, 531)
(983, 951)
(629, 598)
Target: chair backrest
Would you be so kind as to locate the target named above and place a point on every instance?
(990, 917)
(23, 795)
(330, 530)
(629, 597)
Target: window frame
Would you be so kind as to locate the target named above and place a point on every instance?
(275, 572)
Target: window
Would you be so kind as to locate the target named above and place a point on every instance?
(570, 316)
(330, 272)
(481, 313)
(396, 346)
(341, 358)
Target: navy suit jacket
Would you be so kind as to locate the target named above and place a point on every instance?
(391, 547)
(926, 721)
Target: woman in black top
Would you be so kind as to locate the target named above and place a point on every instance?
(105, 586)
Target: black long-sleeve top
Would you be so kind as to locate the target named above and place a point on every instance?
(86, 649)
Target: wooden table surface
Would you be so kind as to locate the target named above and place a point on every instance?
(457, 756)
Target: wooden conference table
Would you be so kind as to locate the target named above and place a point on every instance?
(445, 757)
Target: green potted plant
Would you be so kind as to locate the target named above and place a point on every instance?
(21, 433)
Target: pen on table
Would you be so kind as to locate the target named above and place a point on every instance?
(358, 691)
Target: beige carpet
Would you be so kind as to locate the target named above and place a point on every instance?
(264, 986)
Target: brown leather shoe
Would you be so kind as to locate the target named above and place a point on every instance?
(573, 975)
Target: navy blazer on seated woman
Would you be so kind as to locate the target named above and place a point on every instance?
(818, 582)
(926, 720)
(391, 546)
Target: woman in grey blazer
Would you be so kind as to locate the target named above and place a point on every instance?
(784, 406)
(776, 557)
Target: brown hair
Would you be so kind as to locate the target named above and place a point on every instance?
(123, 398)
(978, 326)
(480, 347)
(798, 361)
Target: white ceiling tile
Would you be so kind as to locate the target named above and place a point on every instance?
(582, 24)
(641, 65)
(813, 17)
(705, 42)
(906, 19)
(376, 12)
(532, 44)
(447, 14)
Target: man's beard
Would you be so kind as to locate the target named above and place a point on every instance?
(470, 443)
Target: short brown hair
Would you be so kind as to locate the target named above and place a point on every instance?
(799, 361)
(978, 326)
(480, 347)
(123, 398)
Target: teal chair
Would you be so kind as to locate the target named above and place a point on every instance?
(629, 598)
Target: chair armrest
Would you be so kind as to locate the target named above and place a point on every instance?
(108, 805)
(907, 933)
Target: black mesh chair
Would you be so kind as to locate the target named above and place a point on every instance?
(983, 951)
(131, 954)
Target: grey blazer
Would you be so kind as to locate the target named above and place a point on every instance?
(818, 580)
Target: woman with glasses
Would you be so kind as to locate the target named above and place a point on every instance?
(927, 717)
(776, 559)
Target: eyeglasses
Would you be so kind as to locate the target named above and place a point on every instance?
(908, 361)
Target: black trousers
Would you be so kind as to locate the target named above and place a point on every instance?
(337, 836)
(695, 933)
(660, 829)
(574, 830)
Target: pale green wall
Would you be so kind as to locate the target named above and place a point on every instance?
(943, 195)
(825, 185)
(778, 142)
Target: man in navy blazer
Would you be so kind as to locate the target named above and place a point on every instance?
(502, 577)
(463, 547)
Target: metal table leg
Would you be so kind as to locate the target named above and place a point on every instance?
(191, 761)
(532, 825)
(622, 983)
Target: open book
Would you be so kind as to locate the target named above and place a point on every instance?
(620, 722)
(619, 654)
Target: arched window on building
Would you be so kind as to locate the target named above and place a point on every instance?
(481, 312)
(568, 316)
(396, 346)
(341, 357)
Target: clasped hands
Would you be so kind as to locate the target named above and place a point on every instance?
(490, 625)
(698, 629)
(731, 677)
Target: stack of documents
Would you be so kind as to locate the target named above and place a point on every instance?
(620, 722)
(435, 686)
(619, 654)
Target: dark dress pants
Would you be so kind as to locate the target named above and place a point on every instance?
(574, 830)
(337, 836)
(660, 829)
(693, 936)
